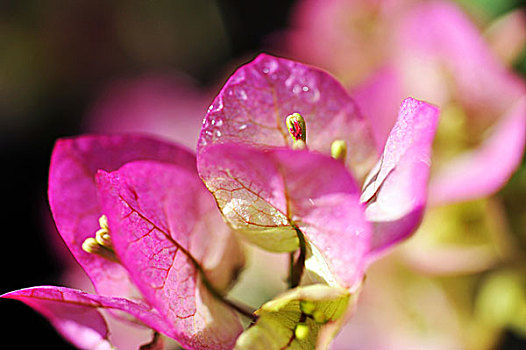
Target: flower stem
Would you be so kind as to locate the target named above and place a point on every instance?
(236, 305)
(297, 267)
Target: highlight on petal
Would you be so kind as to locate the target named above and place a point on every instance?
(266, 195)
(295, 319)
(75, 314)
(484, 170)
(160, 215)
(396, 190)
(255, 101)
(73, 195)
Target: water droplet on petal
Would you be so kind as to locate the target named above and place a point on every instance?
(269, 66)
(217, 133)
(216, 106)
(241, 94)
(242, 127)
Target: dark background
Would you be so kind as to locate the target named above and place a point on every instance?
(68, 50)
(26, 143)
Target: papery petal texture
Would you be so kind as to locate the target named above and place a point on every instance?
(255, 101)
(73, 195)
(396, 190)
(155, 213)
(76, 316)
(267, 194)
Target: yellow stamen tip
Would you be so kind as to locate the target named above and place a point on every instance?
(301, 331)
(307, 307)
(91, 246)
(102, 236)
(103, 222)
(339, 150)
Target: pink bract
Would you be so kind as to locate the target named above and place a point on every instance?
(252, 106)
(387, 50)
(166, 234)
(163, 223)
(74, 200)
(259, 186)
(278, 189)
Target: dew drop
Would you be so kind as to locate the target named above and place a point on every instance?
(241, 94)
(269, 66)
(217, 133)
(216, 106)
(242, 127)
(217, 122)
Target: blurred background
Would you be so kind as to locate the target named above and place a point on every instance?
(69, 67)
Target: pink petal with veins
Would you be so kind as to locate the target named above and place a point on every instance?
(252, 107)
(260, 190)
(396, 190)
(73, 195)
(75, 313)
(155, 213)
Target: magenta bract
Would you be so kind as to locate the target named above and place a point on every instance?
(252, 106)
(432, 51)
(163, 225)
(74, 200)
(265, 191)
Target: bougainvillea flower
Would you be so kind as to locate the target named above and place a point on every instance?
(170, 106)
(297, 319)
(158, 266)
(430, 51)
(269, 192)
